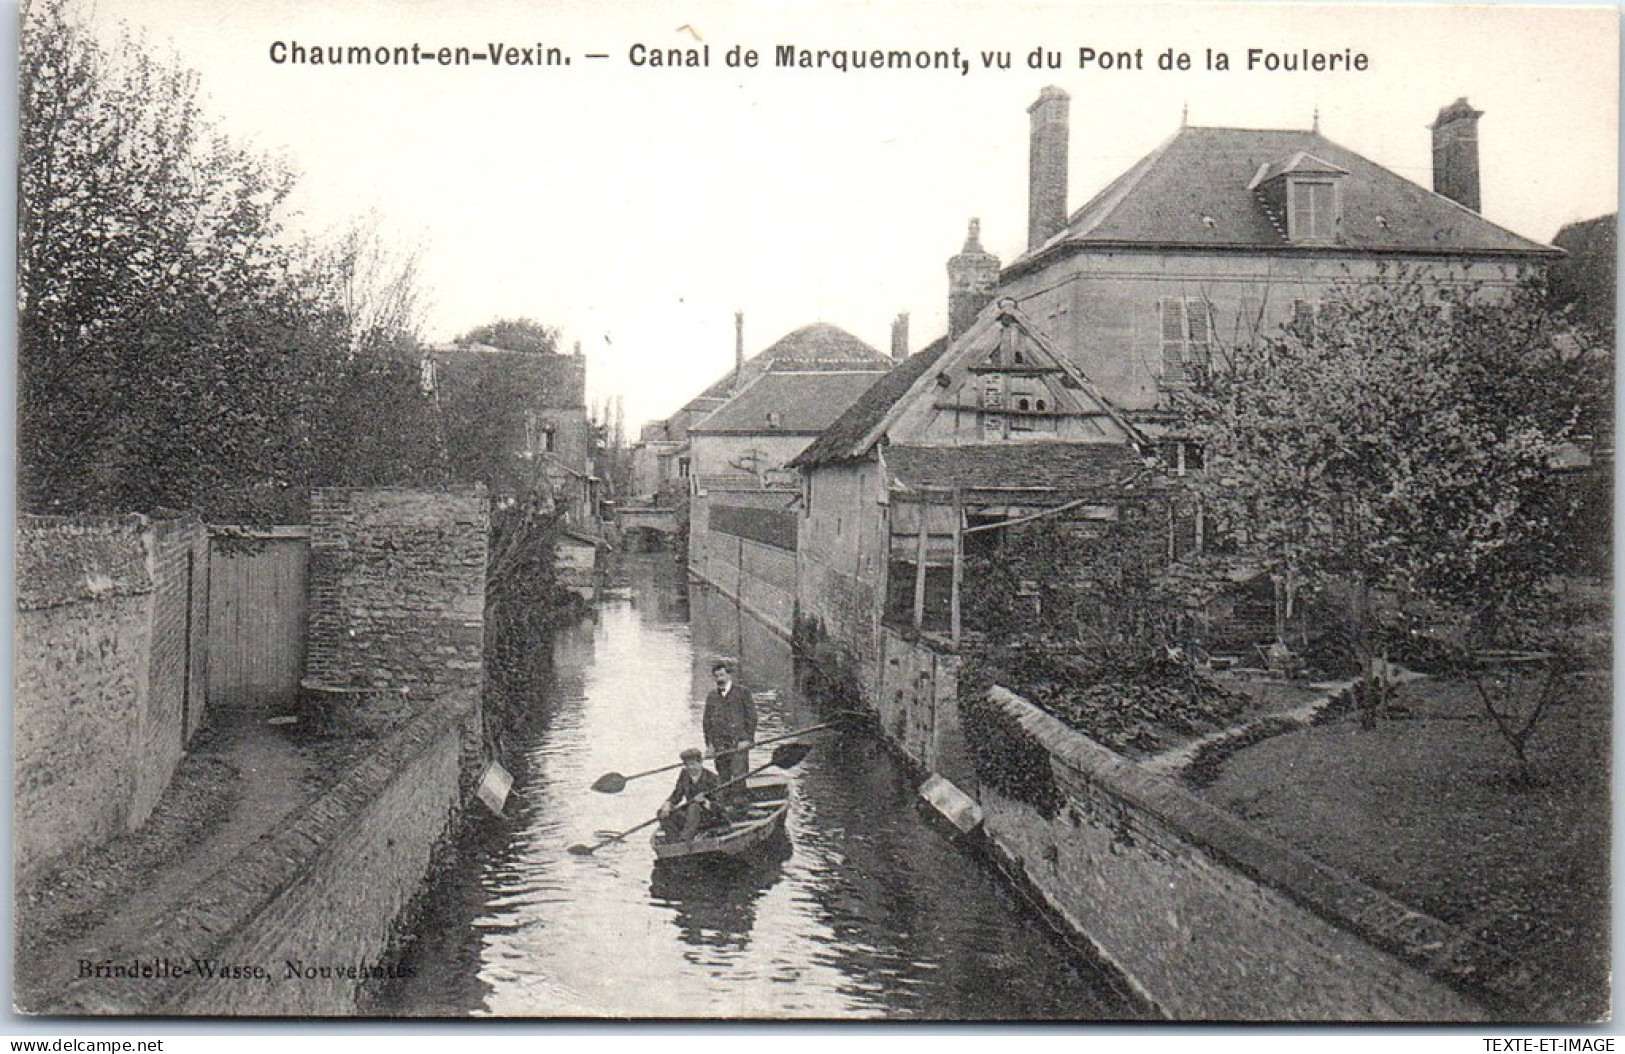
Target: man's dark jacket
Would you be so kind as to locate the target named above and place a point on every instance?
(729, 718)
(688, 789)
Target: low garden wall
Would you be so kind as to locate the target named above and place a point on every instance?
(108, 643)
(1209, 918)
(300, 923)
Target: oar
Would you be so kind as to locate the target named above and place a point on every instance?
(614, 782)
(786, 757)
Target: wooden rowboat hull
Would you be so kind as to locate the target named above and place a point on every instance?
(753, 826)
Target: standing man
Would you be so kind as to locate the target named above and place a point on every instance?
(730, 723)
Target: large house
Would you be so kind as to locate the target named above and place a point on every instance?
(1221, 233)
(1048, 398)
(739, 485)
(662, 458)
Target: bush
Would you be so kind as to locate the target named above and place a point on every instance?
(1005, 755)
(1132, 708)
(825, 669)
(1332, 654)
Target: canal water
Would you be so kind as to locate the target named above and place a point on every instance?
(865, 910)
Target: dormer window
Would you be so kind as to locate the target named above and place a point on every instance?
(1302, 195)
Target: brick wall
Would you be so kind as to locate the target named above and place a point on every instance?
(109, 682)
(1213, 920)
(327, 891)
(397, 589)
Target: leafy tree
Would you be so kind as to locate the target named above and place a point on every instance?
(515, 334)
(1403, 444)
(1403, 441)
(164, 328)
(177, 346)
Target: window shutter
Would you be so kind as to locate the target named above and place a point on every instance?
(1173, 319)
(1302, 220)
(1303, 314)
(1173, 340)
(1201, 321)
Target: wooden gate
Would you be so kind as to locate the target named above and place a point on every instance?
(257, 609)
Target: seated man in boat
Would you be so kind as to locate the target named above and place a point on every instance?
(686, 814)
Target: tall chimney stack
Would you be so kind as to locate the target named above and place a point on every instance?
(1046, 181)
(972, 277)
(899, 337)
(1455, 153)
(739, 347)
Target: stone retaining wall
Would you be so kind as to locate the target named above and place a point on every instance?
(300, 923)
(760, 578)
(1213, 920)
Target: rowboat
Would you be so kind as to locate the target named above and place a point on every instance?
(755, 822)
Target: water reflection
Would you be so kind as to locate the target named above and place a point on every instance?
(713, 902)
(864, 909)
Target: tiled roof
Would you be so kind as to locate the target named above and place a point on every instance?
(848, 430)
(1064, 468)
(1192, 191)
(817, 343)
(805, 402)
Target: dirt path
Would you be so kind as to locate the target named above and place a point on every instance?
(234, 787)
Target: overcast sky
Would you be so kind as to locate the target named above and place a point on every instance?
(638, 208)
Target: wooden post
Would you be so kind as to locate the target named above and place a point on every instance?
(959, 567)
(919, 571)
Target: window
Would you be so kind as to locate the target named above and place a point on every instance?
(1304, 313)
(1187, 339)
(936, 613)
(1182, 456)
(1312, 210)
(539, 436)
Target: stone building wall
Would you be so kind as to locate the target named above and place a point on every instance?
(1103, 310)
(397, 589)
(841, 549)
(758, 574)
(917, 702)
(108, 682)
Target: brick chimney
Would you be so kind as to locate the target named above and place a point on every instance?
(899, 337)
(739, 347)
(1455, 153)
(972, 277)
(1046, 182)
